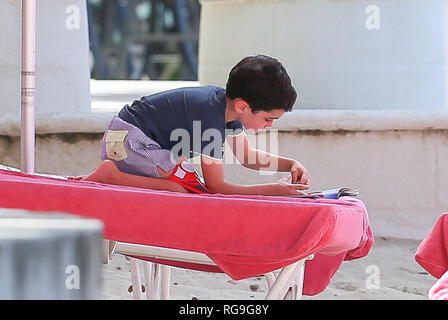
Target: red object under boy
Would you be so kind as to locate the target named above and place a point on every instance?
(185, 175)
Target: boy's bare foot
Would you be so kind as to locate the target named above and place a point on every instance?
(107, 172)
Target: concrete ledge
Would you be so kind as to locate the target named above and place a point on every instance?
(350, 120)
(58, 123)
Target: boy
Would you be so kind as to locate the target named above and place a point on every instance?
(142, 142)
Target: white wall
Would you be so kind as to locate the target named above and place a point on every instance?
(62, 56)
(334, 60)
(10, 35)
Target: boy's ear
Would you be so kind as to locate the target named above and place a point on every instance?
(241, 106)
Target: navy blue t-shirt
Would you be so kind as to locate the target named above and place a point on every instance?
(187, 121)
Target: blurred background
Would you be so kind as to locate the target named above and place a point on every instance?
(143, 39)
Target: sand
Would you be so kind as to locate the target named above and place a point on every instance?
(388, 272)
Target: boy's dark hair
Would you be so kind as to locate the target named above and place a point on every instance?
(262, 82)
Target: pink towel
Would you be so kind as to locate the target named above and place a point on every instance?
(432, 253)
(439, 291)
(245, 236)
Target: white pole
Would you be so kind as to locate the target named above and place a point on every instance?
(27, 140)
(166, 281)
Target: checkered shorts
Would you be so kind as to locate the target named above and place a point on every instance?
(134, 152)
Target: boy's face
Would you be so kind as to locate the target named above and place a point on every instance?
(260, 119)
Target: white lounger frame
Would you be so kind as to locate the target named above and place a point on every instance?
(286, 284)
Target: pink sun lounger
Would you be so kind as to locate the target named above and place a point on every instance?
(242, 236)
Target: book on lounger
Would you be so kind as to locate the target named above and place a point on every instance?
(329, 193)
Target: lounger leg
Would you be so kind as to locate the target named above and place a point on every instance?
(270, 278)
(298, 285)
(147, 271)
(136, 282)
(289, 294)
(154, 284)
(105, 257)
(283, 282)
(108, 250)
(166, 279)
(295, 291)
(152, 280)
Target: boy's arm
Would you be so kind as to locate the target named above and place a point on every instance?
(213, 173)
(257, 159)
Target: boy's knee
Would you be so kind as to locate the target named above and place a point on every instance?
(163, 174)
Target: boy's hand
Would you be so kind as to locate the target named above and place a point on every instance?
(285, 187)
(299, 174)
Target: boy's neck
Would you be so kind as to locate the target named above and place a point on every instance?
(231, 115)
